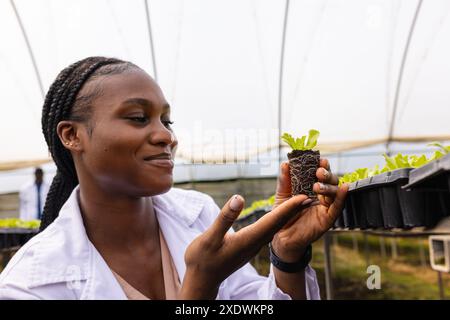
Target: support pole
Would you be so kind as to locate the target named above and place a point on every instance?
(366, 250)
(394, 252)
(327, 266)
(150, 39)
(355, 243)
(382, 247)
(280, 81)
(441, 286)
(423, 260)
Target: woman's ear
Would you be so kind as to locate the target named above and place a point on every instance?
(69, 133)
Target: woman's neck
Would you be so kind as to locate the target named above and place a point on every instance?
(119, 220)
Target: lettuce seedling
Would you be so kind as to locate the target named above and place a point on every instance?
(398, 161)
(303, 162)
(417, 161)
(258, 204)
(19, 223)
(443, 150)
(303, 143)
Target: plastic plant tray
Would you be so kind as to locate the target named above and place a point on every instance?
(381, 202)
(250, 218)
(433, 177)
(339, 223)
(12, 237)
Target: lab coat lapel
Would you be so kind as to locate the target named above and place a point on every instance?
(102, 285)
(178, 236)
(176, 211)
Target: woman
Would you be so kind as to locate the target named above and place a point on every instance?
(114, 228)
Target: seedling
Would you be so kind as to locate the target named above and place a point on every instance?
(258, 204)
(303, 162)
(398, 161)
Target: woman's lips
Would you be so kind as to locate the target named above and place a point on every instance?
(164, 163)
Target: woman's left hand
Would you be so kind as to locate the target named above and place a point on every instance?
(311, 223)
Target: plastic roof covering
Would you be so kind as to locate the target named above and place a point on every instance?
(218, 63)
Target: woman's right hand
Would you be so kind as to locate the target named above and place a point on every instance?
(216, 253)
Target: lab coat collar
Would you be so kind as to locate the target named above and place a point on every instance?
(176, 211)
(185, 205)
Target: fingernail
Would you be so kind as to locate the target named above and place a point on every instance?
(235, 203)
(307, 201)
(326, 174)
(322, 186)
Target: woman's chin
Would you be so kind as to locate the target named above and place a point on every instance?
(156, 189)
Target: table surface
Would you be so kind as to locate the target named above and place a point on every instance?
(17, 230)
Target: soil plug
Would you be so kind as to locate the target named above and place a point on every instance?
(303, 162)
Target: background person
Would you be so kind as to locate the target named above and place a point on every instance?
(32, 197)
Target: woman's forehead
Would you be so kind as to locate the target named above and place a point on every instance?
(131, 84)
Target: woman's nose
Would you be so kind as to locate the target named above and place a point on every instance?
(163, 135)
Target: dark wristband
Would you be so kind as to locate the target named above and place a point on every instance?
(291, 267)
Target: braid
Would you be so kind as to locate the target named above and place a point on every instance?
(60, 188)
(64, 102)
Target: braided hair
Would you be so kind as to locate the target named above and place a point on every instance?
(65, 101)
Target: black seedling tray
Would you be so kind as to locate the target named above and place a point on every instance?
(345, 220)
(347, 215)
(381, 202)
(250, 218)
(339, 223)
(13, 237)
(366, 204)
(433, 178)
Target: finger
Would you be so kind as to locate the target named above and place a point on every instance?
(263, 230)
(324, 163)
(325, 201)
(230, 211)
(302, 211)
(325, 176)
(325, 189)
(338, 204)
(284, 188)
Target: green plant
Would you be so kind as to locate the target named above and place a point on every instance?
(353, 176)
(258, 204)
(404, 161)
(442, 151)
(18, 223)
(395, 162)
(303, 143)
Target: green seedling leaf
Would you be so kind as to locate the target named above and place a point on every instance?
(416, 161)
(18, 223)
(289, 140)
(258, 204)
(300, 143)
(303, 143)
(385, 169)
(401, 161)
(390, 162)
(444, 149)
(436, 155)
(362, 173)
(312, 139)
(374, 171)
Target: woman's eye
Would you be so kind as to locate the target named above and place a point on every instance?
(138, 119)
(167, 123)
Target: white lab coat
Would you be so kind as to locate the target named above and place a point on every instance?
(28, 200)
(62, 263)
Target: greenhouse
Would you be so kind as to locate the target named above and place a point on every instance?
(351, 94)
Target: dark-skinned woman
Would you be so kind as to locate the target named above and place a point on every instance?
(113, 225)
